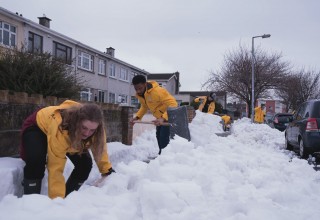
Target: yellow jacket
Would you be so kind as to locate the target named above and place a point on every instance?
(259, 115)
(48, 120)
(211, 107)
(226, 119)
(157, 100)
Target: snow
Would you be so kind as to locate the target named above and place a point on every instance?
(246, 175)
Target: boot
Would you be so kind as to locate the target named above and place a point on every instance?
(73, 185)
(31, 186)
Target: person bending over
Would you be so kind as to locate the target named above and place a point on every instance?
(207, 103)
(53, 134)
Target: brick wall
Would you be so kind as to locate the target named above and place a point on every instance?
(14, 108)
(191, 113)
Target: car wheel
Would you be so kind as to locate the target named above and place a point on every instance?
(287, 145)
(302, 150)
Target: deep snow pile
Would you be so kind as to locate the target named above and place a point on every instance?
(247, 175)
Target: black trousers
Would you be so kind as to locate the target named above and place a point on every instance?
(35, 145)
(163, 136)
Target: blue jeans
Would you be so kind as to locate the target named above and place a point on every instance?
(163, 136)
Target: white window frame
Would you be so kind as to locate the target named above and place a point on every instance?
(112, 98)
(85, 95)
(85, 61)
(112, 70)
(102, 67)
(122, 98)
(123, 74)
(8, 32)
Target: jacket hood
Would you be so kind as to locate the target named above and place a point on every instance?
(151, 85)
(68, 104)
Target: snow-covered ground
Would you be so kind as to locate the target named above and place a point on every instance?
(246, 175)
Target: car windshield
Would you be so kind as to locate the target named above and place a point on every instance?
(316, 110)
(284, 118)
(268, 116)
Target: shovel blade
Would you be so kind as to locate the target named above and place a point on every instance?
(178, 118)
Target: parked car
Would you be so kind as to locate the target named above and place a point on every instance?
(268, 116)
(280, 121)
(303, 131)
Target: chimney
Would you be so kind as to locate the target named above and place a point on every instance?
(110, 51)
(44, 21)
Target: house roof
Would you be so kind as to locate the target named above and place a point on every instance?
(160, 76)
(166, 77)
(47, 30)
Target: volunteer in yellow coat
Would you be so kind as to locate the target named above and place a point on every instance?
(53, 134)
(226, 122)
(259, 114)
(207, 103)
(156, 99)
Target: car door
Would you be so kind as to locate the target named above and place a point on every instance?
(289, 127)
(297, 123)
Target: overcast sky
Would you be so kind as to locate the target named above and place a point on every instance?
(189, 36)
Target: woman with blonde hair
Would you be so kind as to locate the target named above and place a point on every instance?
(51, 135)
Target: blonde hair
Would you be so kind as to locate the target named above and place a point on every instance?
(72, 119)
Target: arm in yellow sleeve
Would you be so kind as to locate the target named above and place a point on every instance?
(56, 163)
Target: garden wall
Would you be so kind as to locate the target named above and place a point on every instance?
(15, 107)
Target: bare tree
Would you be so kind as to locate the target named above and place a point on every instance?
(299, 87)
(235, 78)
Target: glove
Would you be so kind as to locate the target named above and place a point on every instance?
(109, 172)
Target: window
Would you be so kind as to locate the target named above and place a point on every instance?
(62, 52)
(101, 96)
(112, 70)
(7, 34)
(301, 112)
(134, 101)
(85, 95)
(85, 61)
(122, 99)
(112, 97)
(35, 43)
(124, 74)
(102, 67)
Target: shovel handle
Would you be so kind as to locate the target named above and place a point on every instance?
(150, 122)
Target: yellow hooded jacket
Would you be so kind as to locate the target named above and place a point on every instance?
(48, 120)
(226, 119)
(259, 115)
(157, 100)
(211, 107)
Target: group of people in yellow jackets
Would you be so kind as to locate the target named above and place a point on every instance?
(72, 130)
(208, 105)
(52, 134)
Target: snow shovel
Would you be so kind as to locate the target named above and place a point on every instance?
(151, 123)
(178, 117)
(177, 120)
